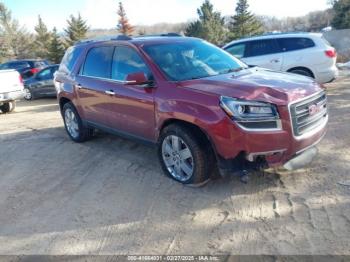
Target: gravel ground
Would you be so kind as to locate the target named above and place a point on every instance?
(109, 196)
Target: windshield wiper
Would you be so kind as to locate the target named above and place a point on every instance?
(235, 70)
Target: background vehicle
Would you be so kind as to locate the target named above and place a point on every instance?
(26, 68)
(41, 84)
(198, 104)
(306, 54)
(11, 89)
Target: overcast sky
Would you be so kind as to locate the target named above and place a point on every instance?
(102, 13)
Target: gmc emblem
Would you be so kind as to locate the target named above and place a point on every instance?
(313, 109)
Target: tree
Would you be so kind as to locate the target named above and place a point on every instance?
(209, 26)
(42, 39)
(55, 48)
(124, 26)
(16, 42)
(341, 19)
(76, 30)
(244, 23)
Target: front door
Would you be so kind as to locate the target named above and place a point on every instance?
(131, 106)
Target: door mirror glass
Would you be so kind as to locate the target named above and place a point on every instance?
(138, 78)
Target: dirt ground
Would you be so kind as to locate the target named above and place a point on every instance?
(109, 196)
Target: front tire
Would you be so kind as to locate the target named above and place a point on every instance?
(74, 125)
(183, 157)
(8, 107)
(28, 94)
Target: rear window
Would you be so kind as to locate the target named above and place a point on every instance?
(262, 47)
(98, 62)
(69, 59)
(295, 43)
(41, 63)
(17, 65)
(237, 50)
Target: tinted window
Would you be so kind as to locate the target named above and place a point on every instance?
(237, 50)
(262, 47)
(41, 63)
(98, 62)
(18, 65)
(295, 43)
(127, 61)
(192, 60)
(69, 59)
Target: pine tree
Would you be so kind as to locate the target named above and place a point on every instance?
(16, 42)
(42, 39)
(209, 26)
(124, 26)
(341, 19)
(244, 23)
(56, 48)
(76, 30)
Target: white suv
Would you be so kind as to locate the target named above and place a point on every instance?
(307, 54)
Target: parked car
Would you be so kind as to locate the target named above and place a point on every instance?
(11, 89)
(26, 68)
(198, 104)
(41, 84)
(306, 54)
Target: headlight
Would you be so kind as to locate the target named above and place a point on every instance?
(251, 115)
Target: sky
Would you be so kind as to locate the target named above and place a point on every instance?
(102, 13)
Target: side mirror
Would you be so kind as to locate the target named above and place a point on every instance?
(138, 78)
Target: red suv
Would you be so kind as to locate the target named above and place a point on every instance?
(202, 107)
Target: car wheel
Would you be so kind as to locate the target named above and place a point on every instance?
(28, 94)
(8, 107)
(74, 125)
(183, 157)
(301, 71)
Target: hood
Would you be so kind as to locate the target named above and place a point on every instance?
(257, 84)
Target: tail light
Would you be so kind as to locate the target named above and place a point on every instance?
(20, 79)
(332, 53)
(34, 70)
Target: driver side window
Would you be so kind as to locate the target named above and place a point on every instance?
(127, 61)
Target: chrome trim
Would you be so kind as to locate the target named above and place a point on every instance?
(109, 80)
(256, 130)
(314, 131)
(250, 157)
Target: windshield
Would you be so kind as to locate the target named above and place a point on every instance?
(192, 60)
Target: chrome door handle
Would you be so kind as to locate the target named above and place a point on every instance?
(111, 93)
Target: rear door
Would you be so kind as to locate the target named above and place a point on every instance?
(131, 106)
(93, 82)
(264, 53)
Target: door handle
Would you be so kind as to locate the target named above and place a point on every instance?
(275, 61)
(79, 86)
(110, 92)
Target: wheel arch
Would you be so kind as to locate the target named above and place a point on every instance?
(302, 68)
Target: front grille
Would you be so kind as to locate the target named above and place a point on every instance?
(309, 113)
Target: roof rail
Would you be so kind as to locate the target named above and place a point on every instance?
(162, 34)
(104, 38)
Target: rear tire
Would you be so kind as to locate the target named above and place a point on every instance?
(74, 125)
(8, 107)
(183, 157)
(302, 71)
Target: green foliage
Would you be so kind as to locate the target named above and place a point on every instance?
(341, 19)
(124, 27)
(76, 30)
(209, 26)
(42, 39)
(16, 42)
(55, 48)
(244, 23)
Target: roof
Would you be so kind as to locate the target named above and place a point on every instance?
(274, 35)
